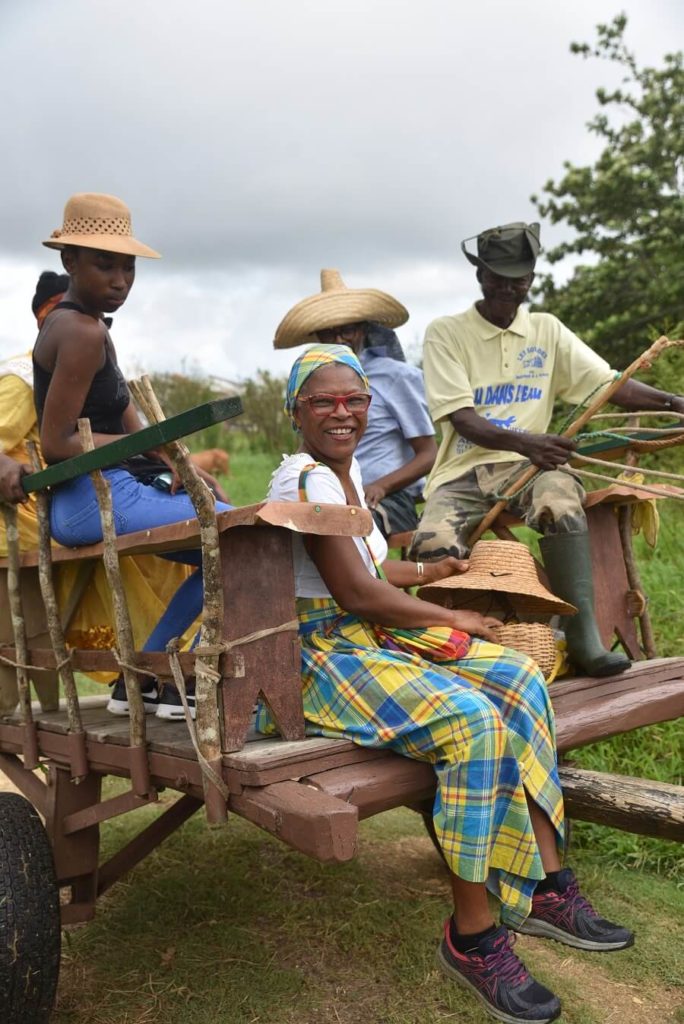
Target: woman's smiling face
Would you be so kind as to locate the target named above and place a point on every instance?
(331, 438)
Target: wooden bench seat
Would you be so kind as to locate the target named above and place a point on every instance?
(300, 517)
(311, 792)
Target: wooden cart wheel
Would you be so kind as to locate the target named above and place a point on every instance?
(30, 933)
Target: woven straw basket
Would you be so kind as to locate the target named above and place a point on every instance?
(531, 638)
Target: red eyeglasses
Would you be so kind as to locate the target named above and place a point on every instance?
(322, 404)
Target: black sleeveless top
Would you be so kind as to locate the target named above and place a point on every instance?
(107, 397)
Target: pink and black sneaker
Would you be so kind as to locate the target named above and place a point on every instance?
(566, 915)
(498, 978)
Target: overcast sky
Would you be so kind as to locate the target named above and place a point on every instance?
(257, 141)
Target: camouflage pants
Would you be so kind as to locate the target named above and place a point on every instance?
(552, 504)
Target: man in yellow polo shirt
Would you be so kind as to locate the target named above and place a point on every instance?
(492, 375)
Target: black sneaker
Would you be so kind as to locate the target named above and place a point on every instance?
(499, 979)
(170, 703)
(118, 700)
(565, 915)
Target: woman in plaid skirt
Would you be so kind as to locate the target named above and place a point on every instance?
(385, 669)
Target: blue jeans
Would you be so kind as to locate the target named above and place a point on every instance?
(75, 521)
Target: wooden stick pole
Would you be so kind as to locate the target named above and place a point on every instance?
(139, 767)
(79, 757)
(30, 749)
(642, 362)
(207, 664)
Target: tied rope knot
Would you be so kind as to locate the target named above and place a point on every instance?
(209, 672)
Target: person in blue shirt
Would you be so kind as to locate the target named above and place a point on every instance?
(398, 448)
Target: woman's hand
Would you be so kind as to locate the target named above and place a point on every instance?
(476, 624)
(434, 571)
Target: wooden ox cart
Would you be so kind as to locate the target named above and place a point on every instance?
(310, 792)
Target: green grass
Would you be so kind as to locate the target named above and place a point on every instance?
(228, 926)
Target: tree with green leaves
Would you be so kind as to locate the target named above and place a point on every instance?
(626, 211)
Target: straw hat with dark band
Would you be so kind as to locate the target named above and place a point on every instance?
(504, 567)
(334, 306)
(96, 221)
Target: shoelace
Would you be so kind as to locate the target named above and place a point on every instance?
(506, 964)
(573, 895)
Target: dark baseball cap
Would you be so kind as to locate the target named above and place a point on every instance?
(510, 250)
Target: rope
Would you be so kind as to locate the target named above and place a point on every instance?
(131, 668)
(248, 638)
(640, 412)
(38, 668)
(179, 680)
(617, 465)
(622, 483)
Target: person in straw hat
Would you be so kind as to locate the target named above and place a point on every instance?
(398, 448)
(386, 670)
(492, 376)
(150, 582)
(76, 375)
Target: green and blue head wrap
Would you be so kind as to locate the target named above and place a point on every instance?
(312, 360)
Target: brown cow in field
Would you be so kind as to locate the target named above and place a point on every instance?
(213, 460)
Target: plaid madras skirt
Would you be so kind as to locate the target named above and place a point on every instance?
(484, 720)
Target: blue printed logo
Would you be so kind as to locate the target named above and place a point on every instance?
(532, 357)
(506, 424)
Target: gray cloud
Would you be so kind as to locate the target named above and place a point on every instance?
(258, 140)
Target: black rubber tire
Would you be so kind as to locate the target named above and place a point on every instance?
(30, 933)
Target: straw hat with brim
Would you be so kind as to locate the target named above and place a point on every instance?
(503, 567)
(96, 221)
(334, 306)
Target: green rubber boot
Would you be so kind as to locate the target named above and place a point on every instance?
(567, 560)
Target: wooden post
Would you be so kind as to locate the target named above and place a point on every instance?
(140, 774)
(30, 750)
(79, 757)
(209, 651)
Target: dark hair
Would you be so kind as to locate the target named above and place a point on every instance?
(49, 285)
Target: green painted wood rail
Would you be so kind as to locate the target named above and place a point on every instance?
(188, 422)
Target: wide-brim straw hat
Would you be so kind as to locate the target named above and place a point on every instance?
(97, 221)
(502, 567)
(334, 306)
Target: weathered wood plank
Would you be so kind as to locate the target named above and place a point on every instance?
(378, 785)
(303, 817)
(301, 517)
(611, 586)
(642, 806)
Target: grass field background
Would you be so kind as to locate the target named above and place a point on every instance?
(228, 926)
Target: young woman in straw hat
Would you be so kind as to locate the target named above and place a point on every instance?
(76, 375)
(149, 581)
(385, 669)
(398, 449)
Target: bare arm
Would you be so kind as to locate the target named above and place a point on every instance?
(635, 395)
(354, 589)
(425, 449)
(547, 451)
(406, 574)
(79, 351)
